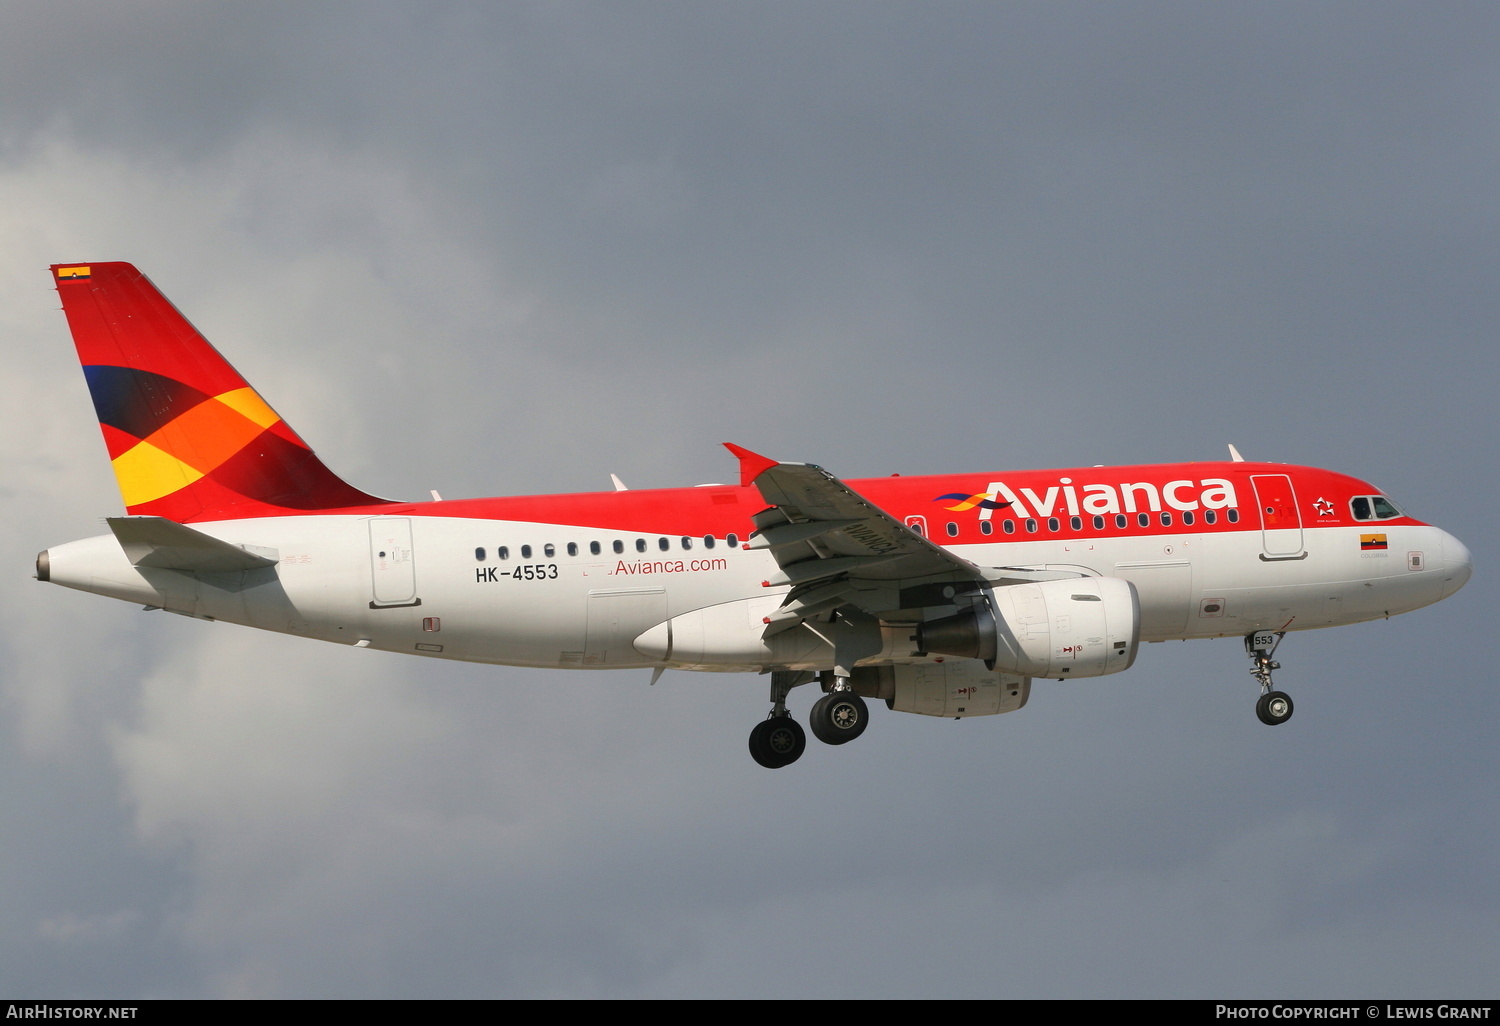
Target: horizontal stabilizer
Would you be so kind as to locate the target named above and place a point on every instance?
(168, 545)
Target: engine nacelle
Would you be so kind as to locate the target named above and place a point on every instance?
(731, 636)
(955, 687)
(1081, 627)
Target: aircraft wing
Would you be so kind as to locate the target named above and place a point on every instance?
(818, 527)
(835, 547)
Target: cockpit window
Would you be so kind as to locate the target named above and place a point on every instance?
(1373, 507)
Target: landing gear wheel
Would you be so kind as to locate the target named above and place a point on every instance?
(1274, 707)
(838, 717)
(777, 742)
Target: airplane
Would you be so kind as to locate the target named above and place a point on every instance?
(942, 595)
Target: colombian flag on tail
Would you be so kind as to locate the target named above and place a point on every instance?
(189, 439)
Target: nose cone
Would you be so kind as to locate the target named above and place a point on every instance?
(1457, 563)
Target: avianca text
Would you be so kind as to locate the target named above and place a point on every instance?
(1184, 495)
(667, 566)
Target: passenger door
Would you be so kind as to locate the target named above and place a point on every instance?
(1280, 519)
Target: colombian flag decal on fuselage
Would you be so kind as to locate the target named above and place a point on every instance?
(1371, 542)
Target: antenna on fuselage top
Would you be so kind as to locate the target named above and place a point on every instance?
(619, 485)
(1234, 454)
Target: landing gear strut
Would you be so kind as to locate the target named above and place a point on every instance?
(1274, 707)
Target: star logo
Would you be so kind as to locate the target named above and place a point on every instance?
(1324, 507)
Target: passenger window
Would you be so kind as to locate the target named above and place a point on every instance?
(732, 540)
(1120, 520)
(503, 552)
(548, 550)
(525, 551)
(1234, 516)
(1010, 527)
(1166, 519)
(1144, 519)
(479, 555)
(1187, 517)
(640, 545)
(572, 548)
(1030, 526)
(687, 543)
(986, 527)
(1076, 523)
(619, 546)
(593, 548)
(1210, 517)
(664, 543)
(1098, 522)
(1052, 523)
(708, 541)
(952, 529)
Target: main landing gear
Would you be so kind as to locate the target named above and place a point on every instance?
(838, 717)
(1274, 707)
(777, 741)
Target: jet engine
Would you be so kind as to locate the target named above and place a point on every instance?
(1081, 627)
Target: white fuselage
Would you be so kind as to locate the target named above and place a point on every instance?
(434, 585)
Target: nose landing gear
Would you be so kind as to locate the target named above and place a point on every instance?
(1273, 707)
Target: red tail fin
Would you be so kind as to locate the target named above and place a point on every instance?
(188, 438)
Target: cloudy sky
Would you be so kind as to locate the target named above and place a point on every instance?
(498, 248)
